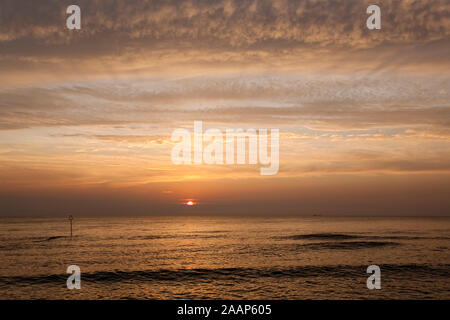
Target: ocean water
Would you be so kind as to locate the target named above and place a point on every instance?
(225, 257)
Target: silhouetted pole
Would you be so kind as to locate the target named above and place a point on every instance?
(70, 219)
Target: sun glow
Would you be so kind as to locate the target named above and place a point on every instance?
(190, 203)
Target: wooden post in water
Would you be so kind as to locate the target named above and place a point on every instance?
(70, 219)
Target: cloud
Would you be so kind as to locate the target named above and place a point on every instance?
(95, 108)
(157, 37)
(229, 22)
(316, 101)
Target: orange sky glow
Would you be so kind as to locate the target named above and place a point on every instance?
(86, 116)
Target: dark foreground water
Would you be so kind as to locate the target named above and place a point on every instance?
(226, 258)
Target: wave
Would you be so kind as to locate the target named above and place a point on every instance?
(213, 231)
(205, 235)
(52, 238)
(321, 236)
(235, 274)
(343, 236)
(224, 234)
(348, 245)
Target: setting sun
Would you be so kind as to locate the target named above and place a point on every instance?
(190, 203)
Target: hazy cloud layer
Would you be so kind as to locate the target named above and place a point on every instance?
(336, 102)
(156, 37)
(234, 23)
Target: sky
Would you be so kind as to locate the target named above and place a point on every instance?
(86, 116)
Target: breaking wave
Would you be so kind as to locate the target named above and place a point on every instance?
(235, 274)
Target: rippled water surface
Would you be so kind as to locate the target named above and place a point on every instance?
(227, 258)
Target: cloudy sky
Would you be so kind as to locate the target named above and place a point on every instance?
(86, 115)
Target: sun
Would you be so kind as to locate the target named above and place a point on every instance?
(190, 203)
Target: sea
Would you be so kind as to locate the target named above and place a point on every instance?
(172, 257)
